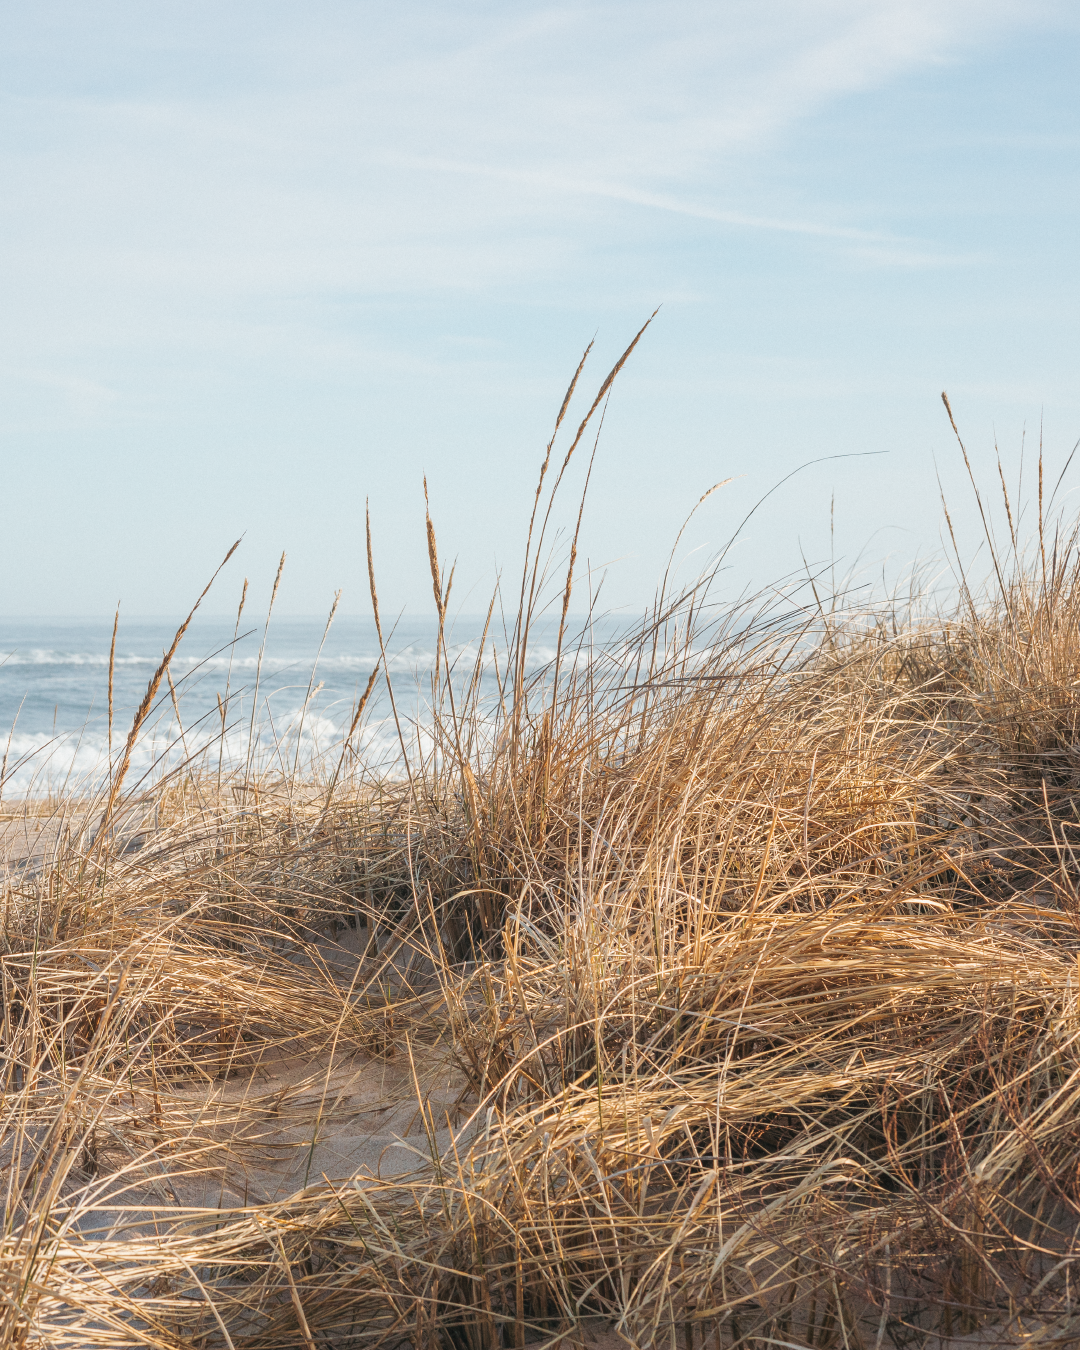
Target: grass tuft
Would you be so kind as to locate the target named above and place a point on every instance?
(714, 987)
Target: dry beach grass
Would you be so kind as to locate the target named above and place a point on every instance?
(718, 987)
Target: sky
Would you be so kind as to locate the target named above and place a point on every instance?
(261, 263)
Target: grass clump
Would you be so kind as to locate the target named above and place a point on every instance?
(714, 987)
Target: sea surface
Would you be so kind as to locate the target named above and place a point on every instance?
(291, 702)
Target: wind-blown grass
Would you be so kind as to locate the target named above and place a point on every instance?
(727, 976)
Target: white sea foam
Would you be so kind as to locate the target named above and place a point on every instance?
(54, 686)
(79, 763)
(411, 660)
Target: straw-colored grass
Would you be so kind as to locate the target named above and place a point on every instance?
(723, 983)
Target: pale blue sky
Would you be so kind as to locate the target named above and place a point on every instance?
(260, 261)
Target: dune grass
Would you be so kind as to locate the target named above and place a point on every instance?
(728, 974)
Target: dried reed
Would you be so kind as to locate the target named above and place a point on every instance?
(747, 945)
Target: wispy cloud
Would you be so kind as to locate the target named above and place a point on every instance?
(72, 400)
(548, 182)
(340, 138)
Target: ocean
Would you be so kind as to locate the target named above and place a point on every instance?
(54, 724)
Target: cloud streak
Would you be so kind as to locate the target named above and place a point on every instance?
(308, 152)
(656, 201)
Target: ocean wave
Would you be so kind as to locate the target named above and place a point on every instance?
(408, 660)
(79, 763)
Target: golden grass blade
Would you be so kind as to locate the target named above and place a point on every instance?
(144, 707)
